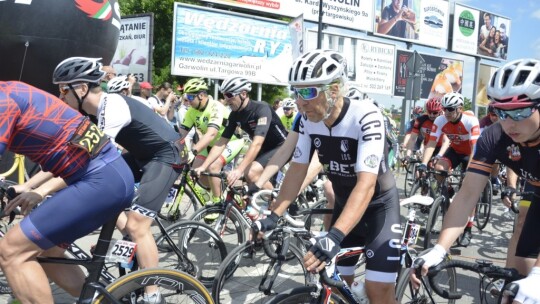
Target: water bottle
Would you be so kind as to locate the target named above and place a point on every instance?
(252, 213)
(358, 289)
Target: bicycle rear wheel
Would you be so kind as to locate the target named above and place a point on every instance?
(240, 278)
(304, 295)
(483, 207)
(175, 287)
(199, 243)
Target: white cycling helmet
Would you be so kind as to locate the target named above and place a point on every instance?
(289, 103)
(515, 85)
(78, 69)
(318, 67)
(117, 84)
(235, 85)
(452, 100)
(354, 92)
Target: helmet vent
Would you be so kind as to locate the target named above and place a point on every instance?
(505, 77)
(522, 77)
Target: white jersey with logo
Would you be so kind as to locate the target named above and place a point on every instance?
(355, 143)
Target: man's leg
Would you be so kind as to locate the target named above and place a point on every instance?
(24, 274)
(68, 277)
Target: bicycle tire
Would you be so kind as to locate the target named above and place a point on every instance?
(483, 207)
(233, 233)
(199, 243)
(434, 222)
(304, 295)
(243, 270)
(175, 287)
(405, 293)
(409, 177)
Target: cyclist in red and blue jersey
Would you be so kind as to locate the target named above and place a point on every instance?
(97, 183)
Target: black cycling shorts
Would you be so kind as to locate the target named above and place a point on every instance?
(264, 157)
(456, 159)
(379, 230)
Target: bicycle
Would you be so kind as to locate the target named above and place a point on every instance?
(19, 167)
(174, 285)
(319, 291)
(487, 272)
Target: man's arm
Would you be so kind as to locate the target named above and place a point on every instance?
(428, 151)
(385, 25)
(279, 159)
(205, 140)
(410, 143)
(290, 187)
(251, 153)
(163, 109)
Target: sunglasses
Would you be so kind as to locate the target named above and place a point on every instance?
(449, 109)
(515, 115)
(434, 113)
(229, 95)
(309, 93)
(191, 97)
(65, 89)
(287, 109)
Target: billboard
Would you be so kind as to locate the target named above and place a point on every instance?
(484, 75)
(439, 75)
(417, 21)
(354, 14)
(134, 51)
(216, 44)
(480, 33)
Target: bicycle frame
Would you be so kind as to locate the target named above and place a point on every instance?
(18, 165)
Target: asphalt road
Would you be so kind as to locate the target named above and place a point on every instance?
(488, 244)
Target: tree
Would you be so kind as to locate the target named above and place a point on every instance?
(163, 31)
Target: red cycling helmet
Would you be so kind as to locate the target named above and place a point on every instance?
(433, 105)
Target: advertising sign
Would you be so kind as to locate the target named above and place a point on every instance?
(438, 75)
(484, 75)
(354, 14)
(480, 33)
(375, 67)
(216, 44)
(134, 51)
(417, 21)
(296, 27)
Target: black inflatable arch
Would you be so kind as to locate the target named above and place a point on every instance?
(35, 35)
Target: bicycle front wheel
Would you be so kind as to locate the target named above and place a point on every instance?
(405, 292)
(197, 242)
(174, 286)
(247, 272)
(434, 222)
(483, 207)
(304, 295)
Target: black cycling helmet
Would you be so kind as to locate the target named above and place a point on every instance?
(78, 69)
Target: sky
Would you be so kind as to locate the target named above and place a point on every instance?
(524, 38)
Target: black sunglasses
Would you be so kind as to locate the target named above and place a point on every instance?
(449, 109)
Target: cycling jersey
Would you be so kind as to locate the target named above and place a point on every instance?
(408, 129)
(257, 119)
(462, 134)
(422, 127)
(355, 143)
(297, 122)
(214, 115)
(49, 132)
(523, 159)
(287, 121)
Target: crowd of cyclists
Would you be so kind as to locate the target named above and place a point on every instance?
(94, 142)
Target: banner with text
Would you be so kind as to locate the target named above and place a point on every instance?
(216, 44)
(480, 33)
(354, 14)
(484, 76)
(375, 66)
(418, 21)
(296, 28)
(439, 75)
(134, 51)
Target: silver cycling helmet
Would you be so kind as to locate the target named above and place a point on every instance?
(515, 85)
(318, 67)
(235, 85)
(354, 93)
(451, 100)
(289, 103)
(117, 84)
(78, 69)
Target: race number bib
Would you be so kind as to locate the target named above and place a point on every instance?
(89, 137)
(121, 251)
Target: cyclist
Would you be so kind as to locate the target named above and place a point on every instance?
(422, 127)
(119, 85)
(289, 113)
(416, 112)
(349, 139)
(462, 130)
(514, 93)
(258, 120)
(152, 149)
(97, 184)
(209, 117)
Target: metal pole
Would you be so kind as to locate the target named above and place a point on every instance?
(474, 106)
(320, 28)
